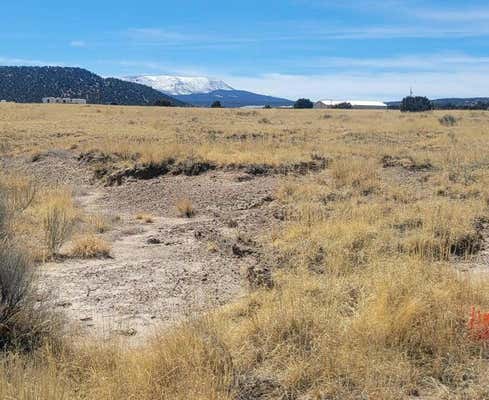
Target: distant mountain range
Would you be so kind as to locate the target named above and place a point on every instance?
(202, 91)
(233, 98)
(31, 84)
(459, 102)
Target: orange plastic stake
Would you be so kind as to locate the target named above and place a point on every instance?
(479, 324)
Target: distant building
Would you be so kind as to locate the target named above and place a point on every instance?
(252, 107)
(356, 104)
(62, 100)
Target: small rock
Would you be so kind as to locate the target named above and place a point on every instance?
(153, 240)
(244, 178)
(241, 251)
(63, 304)
(127, 332)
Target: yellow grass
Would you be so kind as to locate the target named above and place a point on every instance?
(368, 300)
(146, 218)
(43, 218)
(98, 223)
(90, 246)
(185, 208)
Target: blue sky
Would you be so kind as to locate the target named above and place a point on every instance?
(293, 48)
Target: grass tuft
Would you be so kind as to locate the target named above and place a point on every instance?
(90, 246)
(58, 217)
(185, 208)
(146, 218)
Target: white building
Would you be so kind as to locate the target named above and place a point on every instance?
(356, 104)
(61, 100)
(252, 107)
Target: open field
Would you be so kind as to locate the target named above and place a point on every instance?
(245, 254)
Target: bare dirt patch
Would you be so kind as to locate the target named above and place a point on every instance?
(168, 268)
(53, 167)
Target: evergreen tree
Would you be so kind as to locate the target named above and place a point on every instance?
(303, 103)
(163, 103)
(416, 104)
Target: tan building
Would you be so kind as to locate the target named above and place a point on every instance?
(62, 100)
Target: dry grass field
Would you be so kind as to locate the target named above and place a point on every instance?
(285, 254)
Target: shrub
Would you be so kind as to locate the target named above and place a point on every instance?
(99, 223)
(185, 208)
(416, 104)
(21, 192)
(163, 103)
(3, 217)
(58, 223)
(216, 104)
(90, 246)
(303, 103)
(145, 218)
(24, 324)
(448, 120)
(15, 285)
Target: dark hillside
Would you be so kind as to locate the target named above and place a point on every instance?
(31, 84)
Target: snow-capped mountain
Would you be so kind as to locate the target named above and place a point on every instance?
(202, 92)
(180, 85)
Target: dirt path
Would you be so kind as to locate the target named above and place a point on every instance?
(169, 269)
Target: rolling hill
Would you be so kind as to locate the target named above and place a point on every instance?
(31, 84)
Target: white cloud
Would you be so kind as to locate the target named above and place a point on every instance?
(430, 62)
(382, 86)
(78, 43)
(312, 31)
(460, 15)
(416, 8)
(191, 39)
(303, 30)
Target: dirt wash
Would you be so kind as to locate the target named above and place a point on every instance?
(161, 272)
